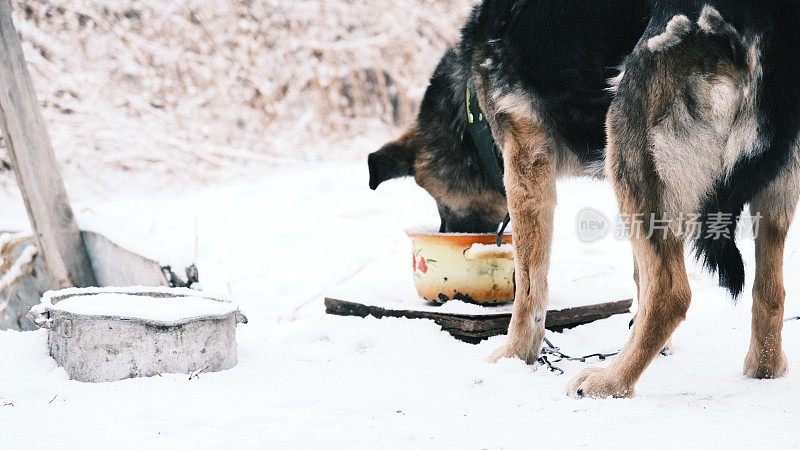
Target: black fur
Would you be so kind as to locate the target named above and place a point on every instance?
(779, 123)
(393, 160)
(442, 129)
(442, 153)
(563, 51)
(778, 110)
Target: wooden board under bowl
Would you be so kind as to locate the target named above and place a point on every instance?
(476, 328)
(385, 289)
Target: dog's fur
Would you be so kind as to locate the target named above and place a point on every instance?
(571, 74)
(438, 152)
(704, 120)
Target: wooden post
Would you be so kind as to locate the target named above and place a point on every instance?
(35, 165)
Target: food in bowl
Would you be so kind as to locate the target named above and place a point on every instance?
(463, 266)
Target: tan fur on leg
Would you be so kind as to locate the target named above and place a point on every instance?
(530, 175)
(665, 297)
(667, 350)
(766, 358)
(636, 277)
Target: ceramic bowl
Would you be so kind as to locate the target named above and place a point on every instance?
(466, 267)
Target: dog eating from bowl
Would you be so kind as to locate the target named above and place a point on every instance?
(688, 109)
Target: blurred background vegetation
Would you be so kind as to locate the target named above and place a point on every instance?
(199, 91)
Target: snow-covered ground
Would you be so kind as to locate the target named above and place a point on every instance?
(277, 244)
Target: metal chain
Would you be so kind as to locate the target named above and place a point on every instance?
(555, 352)
(551, 350)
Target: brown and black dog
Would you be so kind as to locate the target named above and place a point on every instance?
(441, 156)
(701, 120)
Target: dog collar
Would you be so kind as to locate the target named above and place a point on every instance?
(488, 154)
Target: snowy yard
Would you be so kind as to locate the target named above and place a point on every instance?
(304, 379)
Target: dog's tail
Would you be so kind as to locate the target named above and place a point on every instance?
(716, 247)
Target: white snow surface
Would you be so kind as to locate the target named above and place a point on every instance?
(305, 379)
(490, 250)
(169, 309)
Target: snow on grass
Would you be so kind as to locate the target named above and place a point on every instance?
(186, 92)
(305, 379)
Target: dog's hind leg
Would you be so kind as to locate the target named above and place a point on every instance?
(667, 350)
(773, 210)
(530, 179)
(665, 297)
(664, 292)
(682, 125)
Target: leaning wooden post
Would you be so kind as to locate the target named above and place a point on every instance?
(57, 233)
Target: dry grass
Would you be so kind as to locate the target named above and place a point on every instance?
(191, 91)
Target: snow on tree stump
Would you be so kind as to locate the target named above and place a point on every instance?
(109, 334)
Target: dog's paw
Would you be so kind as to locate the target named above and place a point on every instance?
(508, 352)
(595, 382)
(762, 365)
(667, 350)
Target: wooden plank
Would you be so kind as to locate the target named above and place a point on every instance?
(473, 328)
(38, 176)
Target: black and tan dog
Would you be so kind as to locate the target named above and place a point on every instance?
(441, 155)
(703, 121)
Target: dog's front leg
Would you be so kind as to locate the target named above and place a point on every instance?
(531, 189)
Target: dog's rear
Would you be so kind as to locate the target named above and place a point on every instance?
(702, 96)
(706, 120)
(690, 95)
